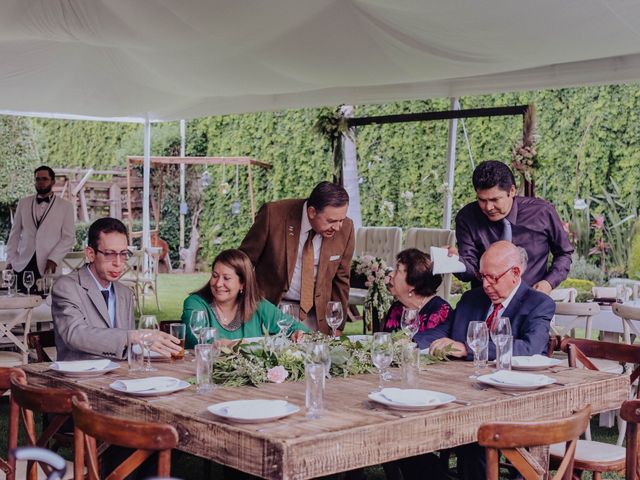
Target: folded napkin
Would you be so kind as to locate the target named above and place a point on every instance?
(409, 396)
(256, 408)
(443, 263)
(147, 384)
(536, 359)
(82, 365)
(521, 379)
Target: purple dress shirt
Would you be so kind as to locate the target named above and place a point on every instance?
(535, 226)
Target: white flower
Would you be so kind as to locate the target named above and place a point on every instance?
(387, 208)
(407, 197)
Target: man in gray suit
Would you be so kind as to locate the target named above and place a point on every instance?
(92, 312)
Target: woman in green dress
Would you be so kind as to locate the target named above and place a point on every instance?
(233, 303)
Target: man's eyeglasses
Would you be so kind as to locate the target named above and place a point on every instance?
(124, 255)
(492, 279)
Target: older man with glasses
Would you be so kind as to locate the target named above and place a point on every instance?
(92, 311)
(503, 294)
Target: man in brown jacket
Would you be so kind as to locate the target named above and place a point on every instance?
(281, 241)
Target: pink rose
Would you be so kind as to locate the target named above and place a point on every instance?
(374, 267)
(277, 374)
(371, 278)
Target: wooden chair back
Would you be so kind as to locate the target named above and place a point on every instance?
(581, 350)
(8, 464)
(630, 411)
(20, 310)
(512, 439)
(146, 438)
(38, 341)
(53, 401)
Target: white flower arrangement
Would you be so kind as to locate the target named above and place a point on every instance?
(376, 273)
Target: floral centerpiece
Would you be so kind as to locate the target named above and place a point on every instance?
(375, 272)
(270, 361)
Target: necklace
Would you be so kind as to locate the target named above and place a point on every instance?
(232, 325)
(424, 302)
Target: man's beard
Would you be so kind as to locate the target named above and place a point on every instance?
(44, 191)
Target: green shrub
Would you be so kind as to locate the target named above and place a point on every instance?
(582, 269)
(634, 254)
(582, 286)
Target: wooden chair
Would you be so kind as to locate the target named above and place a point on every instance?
(598, 457)
(21, 310)
(512, 439)
(146, 438)
(581, 313)
(43, 344)
(630, 412)
(8, 464)
(627, 314)
(54, 402)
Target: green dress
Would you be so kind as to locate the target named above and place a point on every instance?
(265, 317)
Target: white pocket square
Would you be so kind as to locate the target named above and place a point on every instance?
(333, 258)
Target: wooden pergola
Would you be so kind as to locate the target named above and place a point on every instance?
(166, 161)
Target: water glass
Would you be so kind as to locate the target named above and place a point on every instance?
(409, 364)
(318, 352)
(314, 374)
(477, 340)
(204, 353)
(504, 350)
(410, 321)
(135, 352)
(178, 330)
(381, 353)
(334, 316)
(500, 326)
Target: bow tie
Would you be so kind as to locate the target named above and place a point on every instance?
(43, 199)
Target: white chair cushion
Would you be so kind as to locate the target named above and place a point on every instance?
(589, 451)
(21, 472)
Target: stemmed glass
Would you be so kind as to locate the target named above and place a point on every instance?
(8, 277)
(381, 353)
(209, 335)
(28, 280)
(318, 352)
(477, 339)
(149, 328)
(500, 326)
(334, 316)
(197, 322)
(410, 322)
(286, 319)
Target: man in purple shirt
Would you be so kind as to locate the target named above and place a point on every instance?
(499, 214)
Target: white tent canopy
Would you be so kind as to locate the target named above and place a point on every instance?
(166, 60)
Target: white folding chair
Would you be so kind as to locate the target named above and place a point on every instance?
(580, 314)
(564, 295)
(425, 238)
(71, 261)
(19, 309)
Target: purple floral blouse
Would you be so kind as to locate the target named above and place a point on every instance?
(435, 312)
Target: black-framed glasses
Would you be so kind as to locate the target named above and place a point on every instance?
(492, 279)
(124, 255)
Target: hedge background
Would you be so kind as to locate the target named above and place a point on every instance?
(402, 166)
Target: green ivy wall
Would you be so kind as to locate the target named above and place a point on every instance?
(402, 166)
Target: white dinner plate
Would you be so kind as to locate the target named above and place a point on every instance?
(86, 374)
(533, 363)
(179, 385)
(359, 338)
(255, 410)
(489, 380)
(443, 399)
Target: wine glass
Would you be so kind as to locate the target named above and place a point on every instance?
(410, 322)
(500, 326)
(209, 335)
(149, 328)
(198, 321)
(477, 339)
(381, 353)
(286, 319)
(9, 278)
(334, 316)
(318, 352)
(28, 280)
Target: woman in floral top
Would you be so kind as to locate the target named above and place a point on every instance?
(414, 286)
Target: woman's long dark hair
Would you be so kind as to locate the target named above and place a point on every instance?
(249, 298)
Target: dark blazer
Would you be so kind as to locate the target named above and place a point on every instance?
(530, 313)
(272, 246)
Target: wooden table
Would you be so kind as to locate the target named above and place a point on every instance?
(353, 431)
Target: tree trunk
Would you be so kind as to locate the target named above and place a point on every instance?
(188, 255)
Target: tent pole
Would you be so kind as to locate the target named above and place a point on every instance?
(183, 129)
(451, 166)
(146, 175)
(350, 170)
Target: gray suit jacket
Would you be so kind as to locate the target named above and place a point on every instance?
(81, 319)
